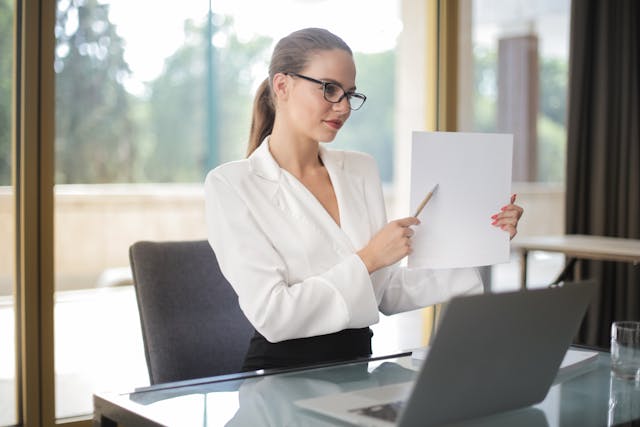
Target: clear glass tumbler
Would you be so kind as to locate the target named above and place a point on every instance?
(625, 349)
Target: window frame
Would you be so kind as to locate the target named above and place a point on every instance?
(33, 180)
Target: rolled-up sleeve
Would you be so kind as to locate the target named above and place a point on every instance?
(408, 289)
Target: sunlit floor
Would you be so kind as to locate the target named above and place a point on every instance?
(99, 344)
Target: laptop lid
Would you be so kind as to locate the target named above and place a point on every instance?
(496, 352)
(491, 353)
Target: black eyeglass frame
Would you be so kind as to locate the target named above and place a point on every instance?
(324, 84)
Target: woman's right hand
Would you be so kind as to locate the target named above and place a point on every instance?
(389, 245)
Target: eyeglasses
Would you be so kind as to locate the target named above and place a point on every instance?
(334, 93)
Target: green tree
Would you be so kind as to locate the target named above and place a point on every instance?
(178, 103)
(6, 81)
(553, 89)
(551, 150)
(552, 133)
(485, 90)
(371, 129)
(552, 109)
(94, 131)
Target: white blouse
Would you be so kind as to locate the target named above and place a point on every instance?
(296, 272)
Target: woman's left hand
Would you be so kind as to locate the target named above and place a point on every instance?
(508, 217)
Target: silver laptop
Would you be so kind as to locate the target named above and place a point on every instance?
(491, 353)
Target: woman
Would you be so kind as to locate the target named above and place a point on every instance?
(300, 231)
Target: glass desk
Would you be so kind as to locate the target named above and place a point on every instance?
(585, 396)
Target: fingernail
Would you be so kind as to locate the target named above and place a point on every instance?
(494, 216)
(494, 222)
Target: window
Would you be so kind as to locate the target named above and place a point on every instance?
(8, 382)
(513, 78)
(143, 111)
(518, 57)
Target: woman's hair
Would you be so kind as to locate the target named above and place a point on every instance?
(290, 55)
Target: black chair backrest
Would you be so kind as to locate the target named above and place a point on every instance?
(192, 325)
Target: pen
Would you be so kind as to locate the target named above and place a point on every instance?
(425, 201)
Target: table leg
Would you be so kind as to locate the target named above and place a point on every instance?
(577, 271)
(523, 269)
(100, 420)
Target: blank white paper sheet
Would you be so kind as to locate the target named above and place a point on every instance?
(473, 173)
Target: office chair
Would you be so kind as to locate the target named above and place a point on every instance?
(192, 325)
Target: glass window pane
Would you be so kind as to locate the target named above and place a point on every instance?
(514, 79)
(518, 53)
(8, 415)
(144, 108)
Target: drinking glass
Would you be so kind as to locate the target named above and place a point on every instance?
(625, 349)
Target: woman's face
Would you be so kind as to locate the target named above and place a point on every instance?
(310, 115)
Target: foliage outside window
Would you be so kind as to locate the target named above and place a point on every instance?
(106, 134)
(112, 128)
(6, 79)
(551, 115)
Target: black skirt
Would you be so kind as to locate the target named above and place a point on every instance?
(339, 346)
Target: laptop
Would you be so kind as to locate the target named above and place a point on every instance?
(491, 353)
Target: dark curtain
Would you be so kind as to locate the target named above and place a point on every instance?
(603, 151)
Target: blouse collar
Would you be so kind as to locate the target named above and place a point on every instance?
(264, 165)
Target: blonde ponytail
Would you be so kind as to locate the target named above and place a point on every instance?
(263, 116)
